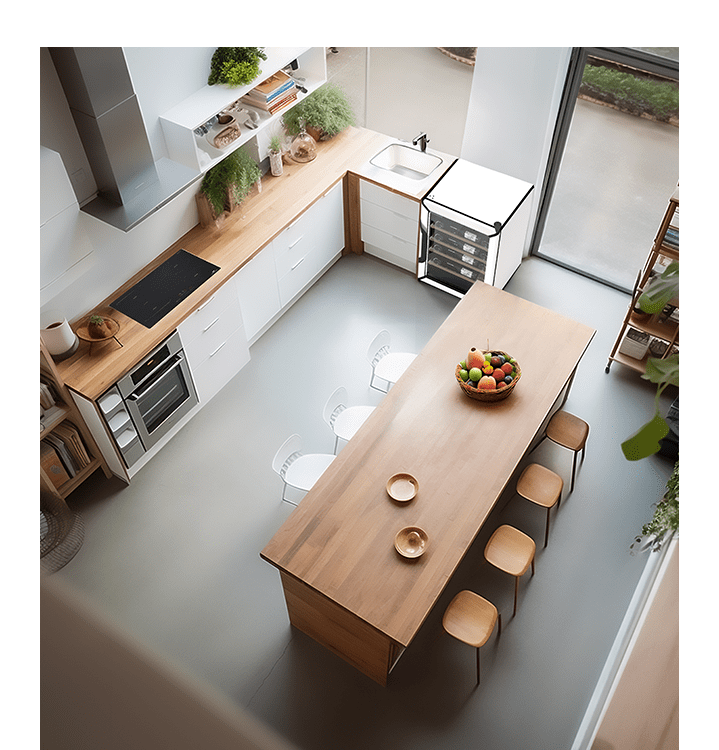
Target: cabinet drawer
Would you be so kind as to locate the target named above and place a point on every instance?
(390, 221)
(221, 365)
(390, 248)
(387, 199)
(217, 330)
(195, 323)
(304, 270)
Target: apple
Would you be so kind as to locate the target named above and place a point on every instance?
(475, 374)
(498, 374)
(463, 374)
(487, 383)
(507, 367)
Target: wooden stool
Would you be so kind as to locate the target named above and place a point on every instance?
(470, 618)
(570, 432)
(541, 486)
(511, 551)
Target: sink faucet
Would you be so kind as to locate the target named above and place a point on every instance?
(422, 140)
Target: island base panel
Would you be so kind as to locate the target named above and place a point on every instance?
(338, 630)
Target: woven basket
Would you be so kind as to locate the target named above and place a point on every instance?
(490, 396)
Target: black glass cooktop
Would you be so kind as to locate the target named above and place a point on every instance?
(164, 288)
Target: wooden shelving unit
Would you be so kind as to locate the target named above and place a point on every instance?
(65, 410)
(660, 328)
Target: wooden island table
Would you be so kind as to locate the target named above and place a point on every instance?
(345, 585)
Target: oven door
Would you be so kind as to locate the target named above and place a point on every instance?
(162, 400)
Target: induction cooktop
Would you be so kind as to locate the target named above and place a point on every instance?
(164, 288)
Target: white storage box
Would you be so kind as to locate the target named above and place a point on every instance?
(635, 344)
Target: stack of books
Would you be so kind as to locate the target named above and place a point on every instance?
(63, 454)
(272, 94)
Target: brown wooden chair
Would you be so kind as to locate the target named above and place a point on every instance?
(470, 618)
(570, 432)
(541, 486)
(512, 551)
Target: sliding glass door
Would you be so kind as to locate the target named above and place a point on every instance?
(614, 162)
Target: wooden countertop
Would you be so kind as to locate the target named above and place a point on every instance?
(260, 218)
(339, 540)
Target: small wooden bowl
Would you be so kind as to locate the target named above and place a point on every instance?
(490, 396)
(402, 487)
(411, 541)
(83, 332)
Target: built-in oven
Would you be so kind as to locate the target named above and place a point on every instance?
(150, 400)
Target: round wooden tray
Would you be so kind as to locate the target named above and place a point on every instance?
(411, 541)
(83, 333)
(402, 487)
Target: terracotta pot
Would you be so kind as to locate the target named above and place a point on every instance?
(317, 133)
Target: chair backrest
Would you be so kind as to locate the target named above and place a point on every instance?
(335, 404)
(379, 347)
(290, 449)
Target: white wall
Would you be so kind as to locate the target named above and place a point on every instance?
(162, 77)
(513, 110)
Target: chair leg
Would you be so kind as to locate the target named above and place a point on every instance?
(546, 533)
(574, 470)
(478, 666)
(516, 589)
(336, 441)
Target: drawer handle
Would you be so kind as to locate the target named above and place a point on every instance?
(205, 330)
(218, 349)
(296, 264)
(204, 304)
(295, 242)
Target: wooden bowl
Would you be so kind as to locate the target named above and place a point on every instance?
(490, 396)
(402, 487)
(83, 332)
(411, 541)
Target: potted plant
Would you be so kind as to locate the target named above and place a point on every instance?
(226, 185)
(326, 111)
(275, 151)
(97, 327)
(666, 517)
(235, 66)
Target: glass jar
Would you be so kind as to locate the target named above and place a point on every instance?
(303, 147)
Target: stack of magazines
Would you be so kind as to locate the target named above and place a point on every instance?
(63, 453)
(272, 94)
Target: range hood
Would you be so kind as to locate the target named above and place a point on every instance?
(131, 184)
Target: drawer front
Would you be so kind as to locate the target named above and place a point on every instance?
(304, 270)
(221, 365)
(390, 248)
(387, 199)
(217, 330)
(195, 323)
(390, 221)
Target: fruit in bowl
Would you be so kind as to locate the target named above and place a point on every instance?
(491, 372)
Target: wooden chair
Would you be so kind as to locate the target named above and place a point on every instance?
(511, 551)
(570, 432)
(541, 486)
(470, 618)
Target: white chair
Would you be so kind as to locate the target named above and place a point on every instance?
(344, 420)
(296, 469)
(386, 365)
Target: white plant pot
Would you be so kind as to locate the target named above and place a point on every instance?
(276, 163)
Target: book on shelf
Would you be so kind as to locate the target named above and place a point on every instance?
(671, 238)
(52, 466)
(270, 89)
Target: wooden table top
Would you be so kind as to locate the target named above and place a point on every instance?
(340, 539)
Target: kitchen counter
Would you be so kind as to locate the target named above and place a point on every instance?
(344, 583)
(259, 219)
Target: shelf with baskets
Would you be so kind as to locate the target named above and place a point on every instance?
(68, 454)
(186, 125)
(643, 336)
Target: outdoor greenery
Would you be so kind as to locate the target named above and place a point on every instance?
(326, 109)
(237, 172)
(235, 66)
(631, 93)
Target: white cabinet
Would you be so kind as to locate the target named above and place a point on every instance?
(256, 284)
(214, 341)
(193, 149)
(390, 225)
(309, 245)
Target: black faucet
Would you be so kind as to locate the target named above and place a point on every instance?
(422, 140)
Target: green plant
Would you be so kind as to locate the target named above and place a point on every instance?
(630, 92)
(237, 172)
(326, 109)
(275, 144)
(235, 66)
(666, 515)
(97, 320)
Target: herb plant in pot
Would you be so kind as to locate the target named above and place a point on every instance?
(275, 152)
(226, 185)
(325, 112)
(235, 66)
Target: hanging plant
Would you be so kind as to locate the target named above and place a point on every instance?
(235, 66)
(233, 177)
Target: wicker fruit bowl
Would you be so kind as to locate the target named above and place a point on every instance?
(479, 392)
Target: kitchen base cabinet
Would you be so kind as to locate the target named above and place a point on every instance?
(389, 225)
(256, 284)
(221, 365)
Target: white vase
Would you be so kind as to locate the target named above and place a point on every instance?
(276, 163)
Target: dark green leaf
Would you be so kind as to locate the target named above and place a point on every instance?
(661, 290)
(663, 371)
(645, 441)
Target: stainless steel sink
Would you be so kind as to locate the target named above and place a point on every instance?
(406, 161)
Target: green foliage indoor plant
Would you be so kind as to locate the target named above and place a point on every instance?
(326, 109)
(235, 66)
(230, 180)
(666, 516)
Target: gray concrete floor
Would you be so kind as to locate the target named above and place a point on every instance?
(174, 557)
